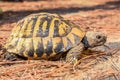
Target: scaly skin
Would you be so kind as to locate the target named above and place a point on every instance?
(73, 55)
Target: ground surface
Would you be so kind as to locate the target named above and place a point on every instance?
(101, 15)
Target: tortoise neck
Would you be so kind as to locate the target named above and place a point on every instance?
(85, 42)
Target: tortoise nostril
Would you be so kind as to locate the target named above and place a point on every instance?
(98, 37)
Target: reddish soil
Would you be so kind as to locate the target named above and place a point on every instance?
(100, 15)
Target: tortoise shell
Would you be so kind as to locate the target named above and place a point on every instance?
(43, 35)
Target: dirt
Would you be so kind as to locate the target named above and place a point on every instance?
(99, 15)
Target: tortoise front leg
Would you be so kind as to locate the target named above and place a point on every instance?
(73, 55)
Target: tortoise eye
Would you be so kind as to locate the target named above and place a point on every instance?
(98, 37)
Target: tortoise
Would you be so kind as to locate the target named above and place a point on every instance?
(50, 36)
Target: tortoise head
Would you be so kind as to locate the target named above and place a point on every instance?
(93, 39)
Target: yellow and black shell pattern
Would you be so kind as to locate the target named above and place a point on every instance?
(43, 35)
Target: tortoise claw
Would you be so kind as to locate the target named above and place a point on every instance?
(74, 61)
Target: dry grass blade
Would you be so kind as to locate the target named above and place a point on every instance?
(15, 69)
(11, 62)
(115, 77)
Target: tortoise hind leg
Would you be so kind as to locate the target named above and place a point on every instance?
(73, 55)
(9, 56)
